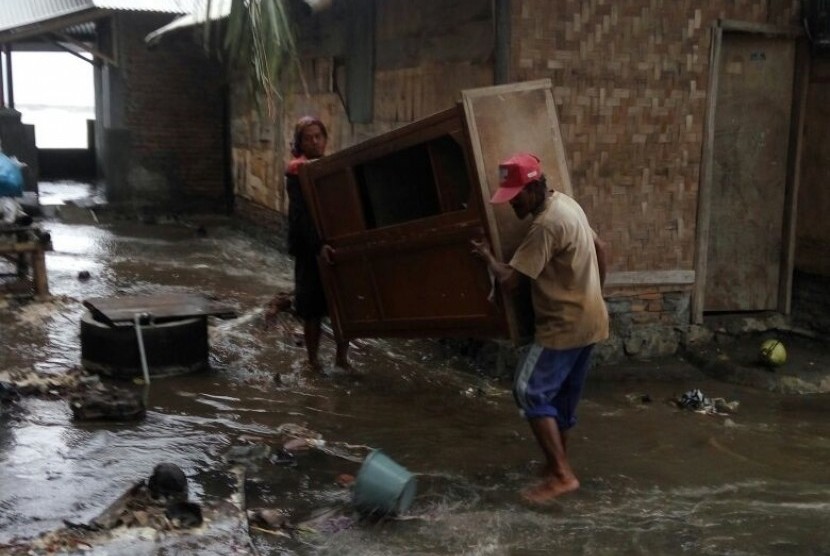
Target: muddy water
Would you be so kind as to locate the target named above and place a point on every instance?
(654, 479)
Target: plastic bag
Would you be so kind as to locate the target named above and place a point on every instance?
(11, 177)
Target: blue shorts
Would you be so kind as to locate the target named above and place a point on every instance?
(549, 383)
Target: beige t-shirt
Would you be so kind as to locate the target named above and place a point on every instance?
(559, 255)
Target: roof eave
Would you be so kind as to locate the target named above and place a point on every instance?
(54, 24)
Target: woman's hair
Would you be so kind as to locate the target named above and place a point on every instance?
(300, 127)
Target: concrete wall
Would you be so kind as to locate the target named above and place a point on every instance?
(163, 116)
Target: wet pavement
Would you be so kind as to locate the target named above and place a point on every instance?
(655, 479)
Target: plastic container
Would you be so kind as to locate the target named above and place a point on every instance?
(383, 486)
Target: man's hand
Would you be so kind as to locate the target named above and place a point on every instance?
(327, 252)
(506, 276)
(482, 249)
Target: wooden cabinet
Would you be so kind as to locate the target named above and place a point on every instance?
(400, 211)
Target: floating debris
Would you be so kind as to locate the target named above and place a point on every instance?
(33, 383)
(695, 400)
(107, 404)
(139, 523)
(638, 399)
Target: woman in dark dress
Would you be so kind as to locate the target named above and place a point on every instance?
(310, 138)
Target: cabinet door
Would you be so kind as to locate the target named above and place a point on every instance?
(502, 121)
(400, 211)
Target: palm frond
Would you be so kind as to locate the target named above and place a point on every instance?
(259, 40)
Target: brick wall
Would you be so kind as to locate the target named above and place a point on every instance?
(630, 80)
(174, 111)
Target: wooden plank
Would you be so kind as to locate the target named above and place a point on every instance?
(39, 276)
(802, 86)
(503, 120)
(704, 197)
(158, 307)
(21, 247)
(749, 172)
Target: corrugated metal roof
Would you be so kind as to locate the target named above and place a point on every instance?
(166, 6)
(19, 13)
(218, 9)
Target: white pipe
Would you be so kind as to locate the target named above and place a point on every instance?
(144, 369)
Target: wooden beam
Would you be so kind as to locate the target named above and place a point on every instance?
(801, 88)
(94, 51)
(704, 195)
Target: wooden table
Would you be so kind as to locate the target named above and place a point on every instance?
(26, 247)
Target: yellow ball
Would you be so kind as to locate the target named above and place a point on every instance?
(773, 353)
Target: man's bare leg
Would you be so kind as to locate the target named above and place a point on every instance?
(558, 477)
(545, 470)
(311, 331)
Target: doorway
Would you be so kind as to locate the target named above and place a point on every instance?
(746, 196)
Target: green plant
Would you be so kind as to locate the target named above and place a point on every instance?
(258, 40)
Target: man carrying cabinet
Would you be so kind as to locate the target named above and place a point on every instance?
(566, 263)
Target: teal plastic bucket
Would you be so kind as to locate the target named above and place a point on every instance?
(383, 486)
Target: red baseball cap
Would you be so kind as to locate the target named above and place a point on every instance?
(515, 173)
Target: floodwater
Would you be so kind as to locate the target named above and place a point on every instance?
(655, 479)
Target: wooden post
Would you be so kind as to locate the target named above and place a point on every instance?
(705, 189)
(39, 278)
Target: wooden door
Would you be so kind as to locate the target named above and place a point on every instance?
(752, 122)
(400, 211)
(504, 120)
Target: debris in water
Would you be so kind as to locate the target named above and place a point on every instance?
(32, 382)
(281, 303)
(107, 404)
(638, 398)
(168, 482)
(8, 392)
(694, 400)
